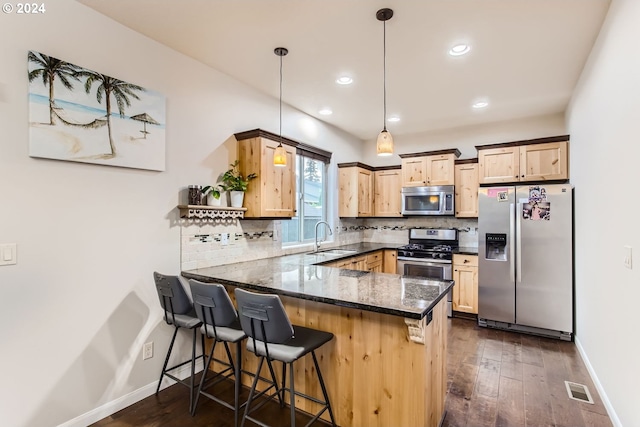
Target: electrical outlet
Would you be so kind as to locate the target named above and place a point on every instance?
(224, 239)
(147, 351)
(627, 257)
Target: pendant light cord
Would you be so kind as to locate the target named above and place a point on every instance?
(384, 75)
(281, 100)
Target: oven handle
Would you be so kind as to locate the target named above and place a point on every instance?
(424, 261)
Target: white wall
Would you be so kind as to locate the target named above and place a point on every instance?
(466, 138)
(604, 124)
(81, 301)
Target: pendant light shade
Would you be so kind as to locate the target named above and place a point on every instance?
(280, 155)
(384, 143)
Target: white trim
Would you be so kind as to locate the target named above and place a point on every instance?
(122, 402)
(603, 395)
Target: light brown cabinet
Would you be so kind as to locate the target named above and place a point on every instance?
(387, 197)
(518, 162)
(466, 176)
(378, 262)
(374, 262)
(465, 290)
(272, 193)
(355, 193)
(429, 168)
(390, 263)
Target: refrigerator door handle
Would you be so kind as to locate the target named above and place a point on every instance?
(512, 233)
(519, 240)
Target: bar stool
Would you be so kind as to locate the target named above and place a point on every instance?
(219, 323)
(179, 313)
(273, 337)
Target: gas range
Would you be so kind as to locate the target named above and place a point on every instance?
(430, 243)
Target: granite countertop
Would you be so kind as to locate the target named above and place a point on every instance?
(303, 276)
(467, 250)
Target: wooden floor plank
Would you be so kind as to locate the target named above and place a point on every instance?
(482, 411)
(511, 363)
(510, 403)
(537, 405)
(488, 380)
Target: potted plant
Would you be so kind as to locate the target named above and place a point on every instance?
(213, 193)
(236, 184)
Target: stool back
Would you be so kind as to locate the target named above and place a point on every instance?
(213, 305)
(173, 298)
(263, 317)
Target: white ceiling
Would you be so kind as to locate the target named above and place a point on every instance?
(526, 55)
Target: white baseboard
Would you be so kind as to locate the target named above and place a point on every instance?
(603, 395)
(122, 402)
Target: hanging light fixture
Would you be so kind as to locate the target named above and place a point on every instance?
(384, 143)
(280, 155)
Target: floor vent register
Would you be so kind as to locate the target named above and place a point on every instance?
(578, 392)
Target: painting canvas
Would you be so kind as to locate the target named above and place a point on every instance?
(81, 115)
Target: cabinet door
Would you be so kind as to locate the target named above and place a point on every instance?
(466, 190)
(440, 169)
(365, 192)
(414, 172)
(278, 183)
(496, 165)
(272, 193)
(465, 290)
(347, 192)
(540, 162)
(390, 263)
(387, 198)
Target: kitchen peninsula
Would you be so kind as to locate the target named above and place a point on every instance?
(387, 363)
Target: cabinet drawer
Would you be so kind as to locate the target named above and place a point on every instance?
(374, 257)
(469, 260)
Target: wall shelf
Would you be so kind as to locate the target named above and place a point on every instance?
(210, 213)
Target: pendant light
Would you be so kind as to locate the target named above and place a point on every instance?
(280, 155)
(384, 143)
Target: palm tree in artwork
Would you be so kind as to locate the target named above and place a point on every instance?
(109, 86)
(49, 69)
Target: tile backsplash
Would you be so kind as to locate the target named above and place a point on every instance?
(208, 244)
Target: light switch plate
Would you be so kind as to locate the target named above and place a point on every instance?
(8, 254)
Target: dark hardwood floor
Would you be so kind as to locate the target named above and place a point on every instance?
(495, 378)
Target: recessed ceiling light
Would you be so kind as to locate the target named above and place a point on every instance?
(393, 119)
(325, 112)
(480, 104)
(344, 80)
(459, 49)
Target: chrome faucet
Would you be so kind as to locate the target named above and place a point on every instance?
(317, 244)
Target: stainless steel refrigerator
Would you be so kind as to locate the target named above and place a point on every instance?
(525, 256)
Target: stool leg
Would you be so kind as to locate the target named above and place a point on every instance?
(292, 395)
(203, 350)
(279, 391)
(238, 381)
(166, 359)
(203, 378)
(324, 389)
(193, 368)
(252, 391)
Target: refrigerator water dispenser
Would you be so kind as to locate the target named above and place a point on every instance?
(496, 245)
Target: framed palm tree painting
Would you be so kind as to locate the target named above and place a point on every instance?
(81, 115)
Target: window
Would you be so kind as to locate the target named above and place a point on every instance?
(311, 207)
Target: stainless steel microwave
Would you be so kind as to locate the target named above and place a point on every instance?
(432, 200)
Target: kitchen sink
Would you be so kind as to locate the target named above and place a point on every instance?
(335, 252)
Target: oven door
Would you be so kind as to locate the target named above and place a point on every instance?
(431, 269)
